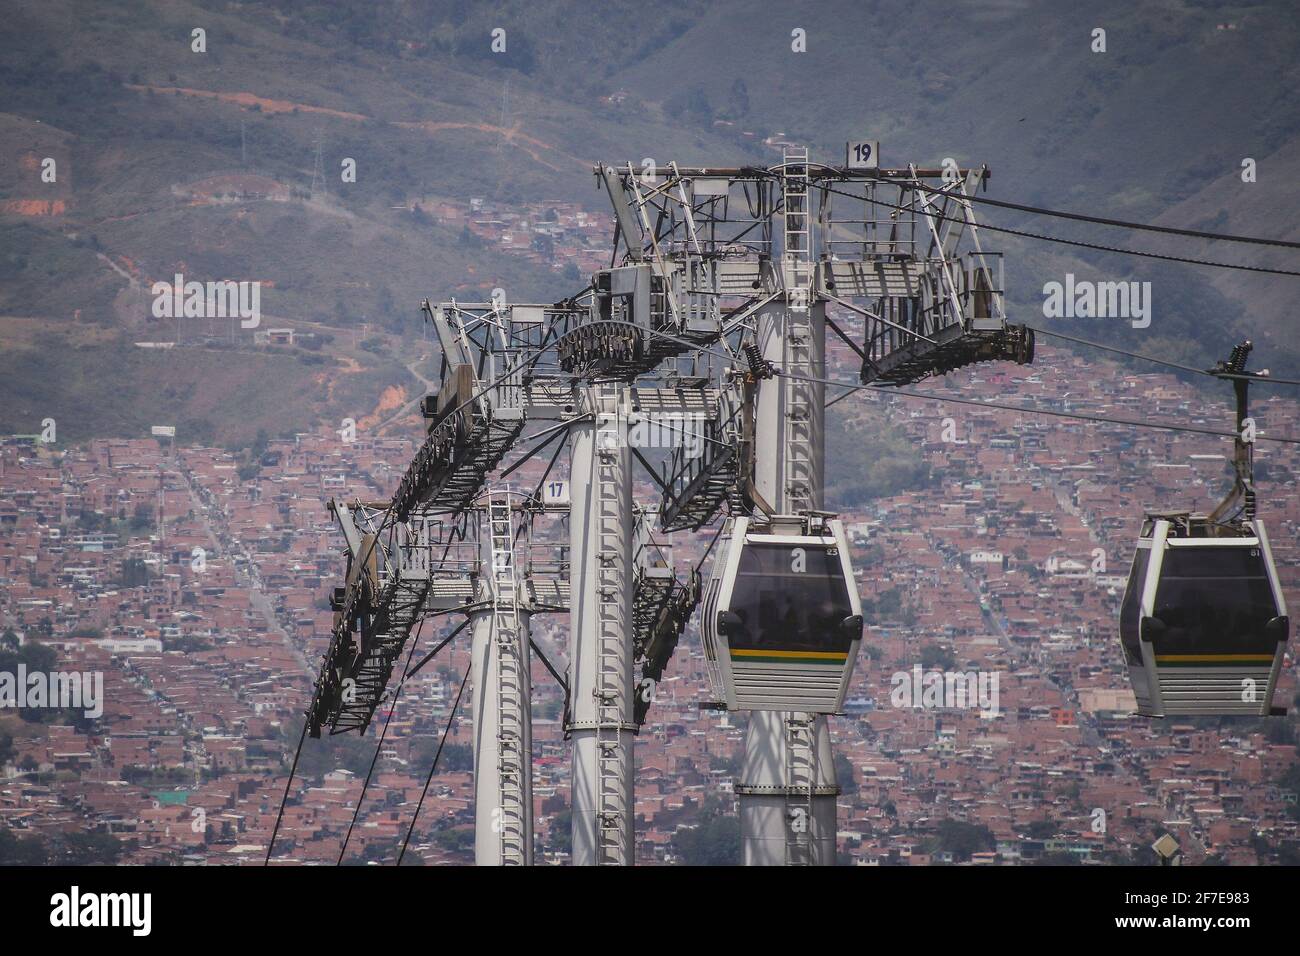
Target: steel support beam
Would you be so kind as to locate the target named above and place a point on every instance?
(787, 784)
(503, 745)
(601, 722)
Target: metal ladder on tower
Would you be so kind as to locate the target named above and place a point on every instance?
(801, 778)
(797, 359)
(512, 763)
(797, 362)
(612, 663)
(798, 423)
(797, 248)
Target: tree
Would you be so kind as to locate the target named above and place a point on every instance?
(134, 573)
(260, 444)
(867, 459)
(1041, 829)
(22, 851)
(458, 840)
(934, 657)
(845, 775)
(329, 753)
(961, 839)
(1290, 783)
(714, 841)
(887, 604)
(36, 657)
(91, 849)
(692, 104)
(141, 516)
(562, 832)
(456, 758)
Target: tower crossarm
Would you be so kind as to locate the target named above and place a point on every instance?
(706, 474)
(473, 419)
(662, 606)
(934, 305)
(393, 573)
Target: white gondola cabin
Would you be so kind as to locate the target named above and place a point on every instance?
(782, 619)
(1203, 623)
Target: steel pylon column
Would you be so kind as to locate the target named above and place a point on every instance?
(787, 786)
(503, 791)
(601, 721)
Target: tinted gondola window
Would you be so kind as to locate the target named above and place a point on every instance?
(1130, 612)
(790, 596)
(1215, 600)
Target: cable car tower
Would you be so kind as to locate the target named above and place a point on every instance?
(743, 264)
(713, 315)
(450, 541)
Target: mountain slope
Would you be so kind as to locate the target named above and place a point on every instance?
(204, 163)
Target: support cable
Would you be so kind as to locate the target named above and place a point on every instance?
(893, 390)
(451, 718)
(1072, 242)
(1105, 221)
(356, 811)
(1080, 416)
(441, 644)
(546, 661)
(1264, 379)
(704, 557)
(556, 432)
(288, 783)
(537, 492)
(564, 685)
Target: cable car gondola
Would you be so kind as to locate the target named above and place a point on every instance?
(782, 618)
(1203, 623)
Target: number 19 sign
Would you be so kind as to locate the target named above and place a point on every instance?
(864, 155)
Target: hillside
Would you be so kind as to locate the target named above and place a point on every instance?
(174, 161)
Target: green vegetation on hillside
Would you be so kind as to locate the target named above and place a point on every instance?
(1155, 127)
(867, 458)
(713, 841)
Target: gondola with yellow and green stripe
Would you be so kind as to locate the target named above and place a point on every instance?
(1203, 623)
(782, 618)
